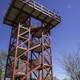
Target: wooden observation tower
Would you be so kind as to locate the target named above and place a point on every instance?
(29, 54)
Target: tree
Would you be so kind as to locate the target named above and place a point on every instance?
(3, 56)
(71, 64)
(65, 79)
(55, 78)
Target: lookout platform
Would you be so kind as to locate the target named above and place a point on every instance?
(21, 9)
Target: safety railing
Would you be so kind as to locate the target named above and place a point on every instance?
(41, 8)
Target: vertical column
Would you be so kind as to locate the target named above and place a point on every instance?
(47, 58)
(28, 54)
(42, 57)
(50, 41)
(15, 58)
(7, 70)
(38, 64)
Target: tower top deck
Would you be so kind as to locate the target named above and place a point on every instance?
(21, 9)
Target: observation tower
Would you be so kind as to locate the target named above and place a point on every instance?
(29, 54)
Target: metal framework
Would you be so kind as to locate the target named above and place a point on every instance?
(29, 55)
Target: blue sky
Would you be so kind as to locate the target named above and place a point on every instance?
(65, 37)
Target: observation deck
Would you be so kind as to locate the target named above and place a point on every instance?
(21, 9)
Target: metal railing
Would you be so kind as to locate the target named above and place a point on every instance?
(41, 8)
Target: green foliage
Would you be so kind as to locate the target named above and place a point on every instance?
(0, 73)
(65, 79)
(3, 56)
(79, 75)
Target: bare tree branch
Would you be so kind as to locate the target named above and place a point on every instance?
(71, 64)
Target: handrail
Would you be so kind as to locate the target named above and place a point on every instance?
(41, 8)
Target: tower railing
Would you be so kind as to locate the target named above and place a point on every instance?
(41, 8)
